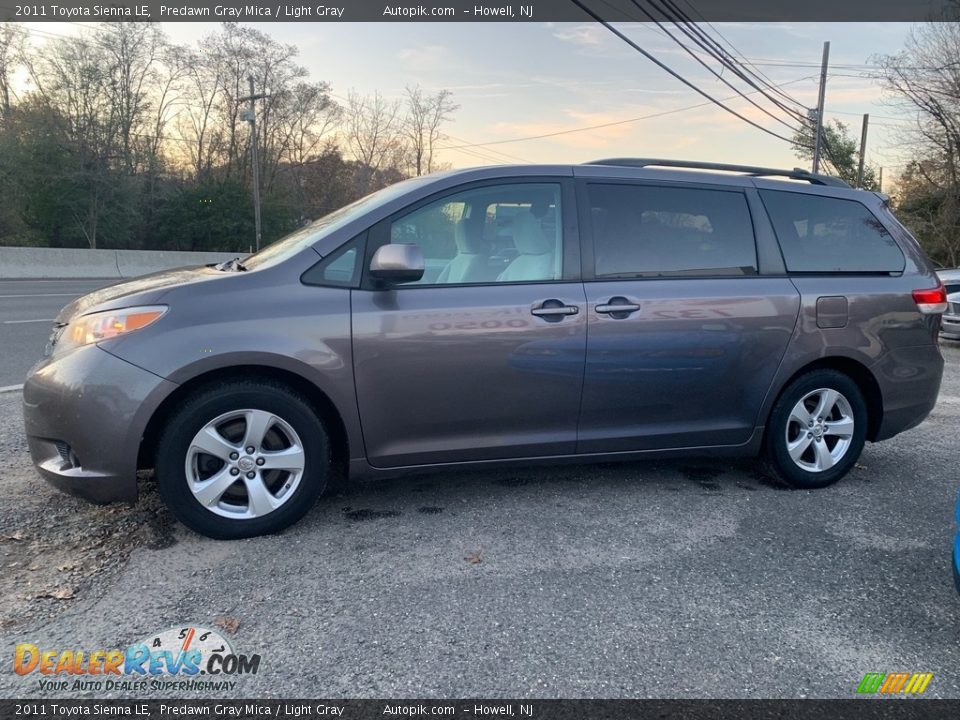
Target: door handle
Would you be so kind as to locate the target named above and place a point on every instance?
(554, 310)
(617, 306)
(563, 310)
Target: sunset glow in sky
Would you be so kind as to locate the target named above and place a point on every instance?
(524, 79)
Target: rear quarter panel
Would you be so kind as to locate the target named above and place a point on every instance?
(884, 331)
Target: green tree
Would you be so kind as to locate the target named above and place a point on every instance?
(41, 179)
(840, 153)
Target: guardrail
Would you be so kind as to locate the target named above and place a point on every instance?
(43, 263)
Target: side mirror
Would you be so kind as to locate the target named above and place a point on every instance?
(397, 263)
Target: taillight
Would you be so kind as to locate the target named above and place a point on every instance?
(931, 301)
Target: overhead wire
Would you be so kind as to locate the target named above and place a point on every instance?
(756, 72)
(702, 62)
(678, 76)
(716, 50)
(587, 128)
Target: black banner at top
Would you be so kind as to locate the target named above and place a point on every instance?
(401, 11)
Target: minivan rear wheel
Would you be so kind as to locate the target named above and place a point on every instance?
(817, 430)
(240, 459)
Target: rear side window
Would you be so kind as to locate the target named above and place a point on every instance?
(652, 231)
(824, 234)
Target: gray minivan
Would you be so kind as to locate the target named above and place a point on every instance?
(619, 309)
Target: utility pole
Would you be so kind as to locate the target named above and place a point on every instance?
(251, 116)
(863, 148)
(880, 181)
(818, 134)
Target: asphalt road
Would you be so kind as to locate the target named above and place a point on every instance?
(692, 578)
(27, 309)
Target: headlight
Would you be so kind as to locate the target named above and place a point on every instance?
(99, 326)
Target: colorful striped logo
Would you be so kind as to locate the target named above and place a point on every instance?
(894, 683)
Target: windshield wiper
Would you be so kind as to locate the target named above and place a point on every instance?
(233, 264)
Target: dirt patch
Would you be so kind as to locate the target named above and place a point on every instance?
(54, 549)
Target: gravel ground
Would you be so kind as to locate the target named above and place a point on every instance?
(692, 578)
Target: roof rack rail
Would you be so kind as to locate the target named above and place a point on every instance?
(751, 170)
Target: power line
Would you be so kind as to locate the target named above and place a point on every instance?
(702, 62)
(587, 128)
(849, 66)
(715, 50)
(765, 79)
(495, 152)
(704, 43)
(679, 77)
(872, 116)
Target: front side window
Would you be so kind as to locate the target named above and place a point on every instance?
(341, 268)
(500, 233)
(652, 231)
(825, 234)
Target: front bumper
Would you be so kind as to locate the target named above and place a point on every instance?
(85, 413)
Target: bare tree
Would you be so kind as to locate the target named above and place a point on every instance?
(425, 116)
(12, 39)
(374, 134)
(73, 78)
(924, 80)
(135, 52)
(301, 118)
(122, 139)
(294, 118)
(198, 123)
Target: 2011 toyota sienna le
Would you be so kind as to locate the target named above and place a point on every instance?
(624, 308)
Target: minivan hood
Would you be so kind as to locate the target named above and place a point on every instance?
(141, 290)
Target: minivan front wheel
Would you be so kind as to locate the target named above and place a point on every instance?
(241, 459)
(817, 430)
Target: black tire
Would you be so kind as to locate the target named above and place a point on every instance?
(227, 397)
(777, 460)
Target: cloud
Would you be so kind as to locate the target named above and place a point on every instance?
(590, 35)
(427, 57)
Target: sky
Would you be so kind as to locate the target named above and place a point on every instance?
(517, 80)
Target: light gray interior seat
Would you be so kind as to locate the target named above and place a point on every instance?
(535, 260)
(470, 263)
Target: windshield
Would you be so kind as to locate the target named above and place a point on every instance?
(310, 234)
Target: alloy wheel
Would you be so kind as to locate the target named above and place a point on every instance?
(244, 464)
(820, 430)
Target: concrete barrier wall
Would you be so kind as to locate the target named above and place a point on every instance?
(24, 263)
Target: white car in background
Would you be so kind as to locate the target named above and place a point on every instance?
(950, 327)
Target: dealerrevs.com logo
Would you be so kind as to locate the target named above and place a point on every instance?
(186, 658)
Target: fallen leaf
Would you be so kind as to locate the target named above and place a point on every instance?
(230, 624)
(858, 466)
(63, 593)
(18, 536)
(475, 558)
